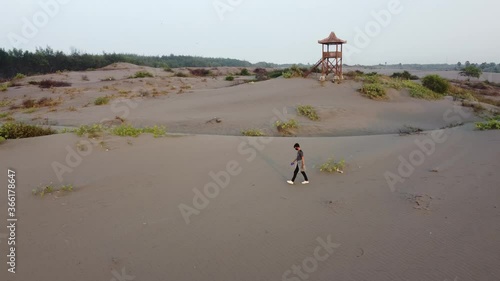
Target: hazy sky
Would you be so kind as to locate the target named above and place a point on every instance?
(405, 31)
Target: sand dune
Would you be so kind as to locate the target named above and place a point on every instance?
(212, 205)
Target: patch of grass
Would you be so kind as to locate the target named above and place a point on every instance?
(308, 111)
(409, 130)
(12, 130)
(14, 84)
(30, 110)
(3, 115)
(142, 74)
(180, 74)
(374, 91)
(92, 131)
(355, 75)
(101, 100)
(47, 102)
(157, 131)
(67, 188)
(49, 189)
(85, 78)
(2, 139)
(333, 167)
(286, 127)
(488, 101)
(461, 94)
(4, 87)
(72, 108)
(113, 78)
(5, 102)
(420, 92)
(167, 69)
(477, 107)
(253, 133)
(126, 130)
(19, 76)
(492, 124)
(229, 78)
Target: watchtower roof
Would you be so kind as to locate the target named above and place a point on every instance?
(332, 40)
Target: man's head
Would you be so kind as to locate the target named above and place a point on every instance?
(297, 146)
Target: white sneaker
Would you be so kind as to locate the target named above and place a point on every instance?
(289, 182)
(305, 182)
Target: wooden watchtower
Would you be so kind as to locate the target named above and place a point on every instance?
(331, 61)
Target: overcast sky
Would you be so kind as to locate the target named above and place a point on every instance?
(279, 31)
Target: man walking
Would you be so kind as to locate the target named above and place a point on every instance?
(301, 165)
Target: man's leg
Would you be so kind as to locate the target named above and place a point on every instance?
(295, 173)
(305, 176)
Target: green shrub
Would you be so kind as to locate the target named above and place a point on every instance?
(126, 130)
(371, 78)
(167, 69)
(436, 83)
(308, 111)
(275, 73)
(2, 139)
(286, 127)
(245, 72)
(4, 87)
(292, 72)
(492, 124)
(19, 76)
(333, 167)
(3, 115)
(404, 75)
(420, 92)
(157, 131)
(101, 100)
(374, 91)
(354, 74)
(21, 130)
(253, 133)
(143, 74)
(229, 78)
(92, 131)
(180, 74)
(287, 74)
(47, 84)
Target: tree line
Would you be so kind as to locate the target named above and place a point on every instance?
(46, 60)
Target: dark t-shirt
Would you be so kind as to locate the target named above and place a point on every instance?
(300, 153)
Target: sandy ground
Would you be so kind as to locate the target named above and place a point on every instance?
(123, 221)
